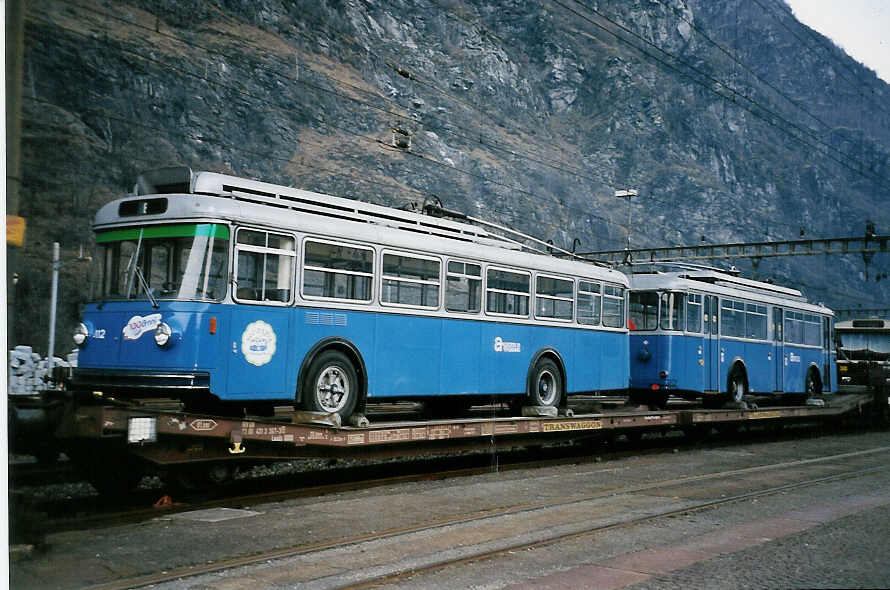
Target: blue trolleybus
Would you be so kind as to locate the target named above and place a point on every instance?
(698, 332)
(231, 294)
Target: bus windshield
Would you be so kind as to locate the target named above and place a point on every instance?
(183, 261)
(860, 346)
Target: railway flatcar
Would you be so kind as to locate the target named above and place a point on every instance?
(699, 332)
(234, 295)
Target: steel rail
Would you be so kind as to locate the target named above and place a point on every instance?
(602, 528)
(265, 556)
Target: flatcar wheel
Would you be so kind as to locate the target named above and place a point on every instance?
(545, 388)
(189, 478)
(331, 385)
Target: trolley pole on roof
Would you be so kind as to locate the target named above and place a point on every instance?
(627, 194)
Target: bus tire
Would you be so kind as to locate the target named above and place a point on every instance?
(332, 385)
(736, 385)
(813, 385)
(545, 387)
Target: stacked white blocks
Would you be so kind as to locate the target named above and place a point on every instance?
(28, 370)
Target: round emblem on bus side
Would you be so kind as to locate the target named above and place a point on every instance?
(258, 343)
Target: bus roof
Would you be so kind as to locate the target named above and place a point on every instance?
(712, 281)
(209, 195)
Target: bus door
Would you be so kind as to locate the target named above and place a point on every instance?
(259, 362)
(711, 341)
(778, 349)
(827, 348)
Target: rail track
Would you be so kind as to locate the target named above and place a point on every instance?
(85, 510)
(812, 472)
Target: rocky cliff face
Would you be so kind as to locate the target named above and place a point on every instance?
(733, 121)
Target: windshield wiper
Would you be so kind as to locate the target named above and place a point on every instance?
(133, 264)
(144, 284)
(136, 272)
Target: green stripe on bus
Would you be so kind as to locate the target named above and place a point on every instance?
(165, 231)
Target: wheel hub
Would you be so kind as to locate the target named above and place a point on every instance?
(546, 388)
(332, 389)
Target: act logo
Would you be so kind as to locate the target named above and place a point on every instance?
(138, 325)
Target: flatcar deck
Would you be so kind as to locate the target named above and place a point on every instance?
(163, 437)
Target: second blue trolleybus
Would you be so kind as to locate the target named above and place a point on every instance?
(230, 294)
(699, 332)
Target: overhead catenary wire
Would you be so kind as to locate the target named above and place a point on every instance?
(375, 140)
(218, 141)
(750, 105)
(744, 66)
(504, 185)
(793, 227)
(473, 139)
(829, 51)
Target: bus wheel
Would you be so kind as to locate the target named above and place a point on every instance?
(545, 388)
(331, 385)
(737, 387)
(813, 386)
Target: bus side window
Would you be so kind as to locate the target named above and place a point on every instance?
(554, 298)
(732, 314)
(693, 313)
(463, 289)
(337, 271)
(508, 292)
(755, 321)
(264, 266)
(613, 306)
(812, 327)
(589, 303)
(410, 280)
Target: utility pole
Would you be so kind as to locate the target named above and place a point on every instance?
(53, 299)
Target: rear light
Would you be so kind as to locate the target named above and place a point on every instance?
(656, 387)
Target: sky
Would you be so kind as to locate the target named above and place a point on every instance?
(860, 27)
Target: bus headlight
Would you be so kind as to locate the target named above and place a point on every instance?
(81, 333)
(163, 333)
